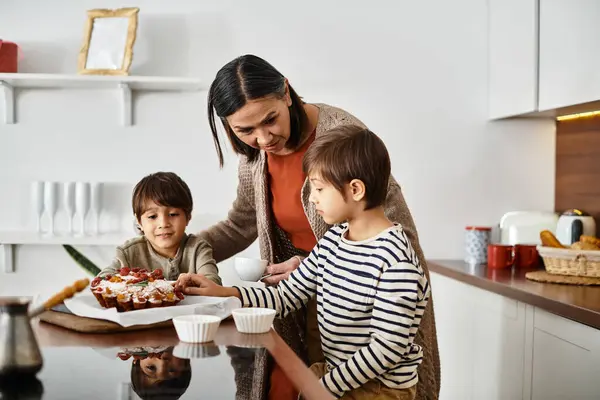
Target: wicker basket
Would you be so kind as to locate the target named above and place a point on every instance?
(571, 262)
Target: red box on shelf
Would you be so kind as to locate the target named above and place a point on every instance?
(9, 53)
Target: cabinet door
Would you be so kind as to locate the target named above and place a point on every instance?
(513, 57)
(454, 324)
(569, 52)
(499, 344)
(481, 337)
(566, 359)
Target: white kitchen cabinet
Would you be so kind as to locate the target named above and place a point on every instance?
(493, 347)
(513, 57)
(569, 52)
(566, 359)
(481, 337)
(454, 324)
(499, 345)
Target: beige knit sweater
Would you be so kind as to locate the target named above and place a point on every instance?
(193, 256)
(250, 217)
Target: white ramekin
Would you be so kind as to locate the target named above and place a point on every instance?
(196, 328)
(253, 320)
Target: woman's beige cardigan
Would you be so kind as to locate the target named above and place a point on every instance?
(250, 217)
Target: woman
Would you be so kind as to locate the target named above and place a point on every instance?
(269, 125)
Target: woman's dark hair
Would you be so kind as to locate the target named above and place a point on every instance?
(249, 77)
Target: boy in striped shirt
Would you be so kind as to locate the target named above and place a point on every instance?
(371, 290)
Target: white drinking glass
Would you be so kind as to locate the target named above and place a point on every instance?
(69, 202)
(37, 203)
(96, 204)
(51, 202)
(82, 203)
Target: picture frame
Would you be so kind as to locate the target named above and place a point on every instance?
(108, 41)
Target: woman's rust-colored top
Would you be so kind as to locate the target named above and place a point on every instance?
(286, 179)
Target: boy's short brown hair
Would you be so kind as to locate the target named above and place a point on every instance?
(350, 152)
(164, 188)
(168, 389)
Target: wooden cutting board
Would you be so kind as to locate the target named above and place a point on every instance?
(92, 325)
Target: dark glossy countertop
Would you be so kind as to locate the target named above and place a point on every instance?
(578, 303)
(157, 365)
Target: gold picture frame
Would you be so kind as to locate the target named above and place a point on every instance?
(108, 41)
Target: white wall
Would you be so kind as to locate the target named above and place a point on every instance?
(415, 72)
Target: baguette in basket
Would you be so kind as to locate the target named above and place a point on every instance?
(580, 259)
(549, 240)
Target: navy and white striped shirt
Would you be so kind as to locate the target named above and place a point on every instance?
(371, 296)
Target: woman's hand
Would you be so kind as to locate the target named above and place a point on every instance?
(281, 271)
(199, 285)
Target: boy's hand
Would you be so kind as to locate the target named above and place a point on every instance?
(199, 285)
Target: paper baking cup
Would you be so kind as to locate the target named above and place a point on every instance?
(195, 350)
(253, 320)
(196, 328)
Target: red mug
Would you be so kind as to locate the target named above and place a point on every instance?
(500, 256)
(526, 255)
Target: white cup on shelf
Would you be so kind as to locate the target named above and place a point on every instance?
(96, 189)
(69, 203)
(37, 203)
(82, 203)
(51, 203)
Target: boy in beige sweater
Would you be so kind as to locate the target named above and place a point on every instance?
(162, 205)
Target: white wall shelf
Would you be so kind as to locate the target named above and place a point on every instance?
(10, 239)
(122, 84)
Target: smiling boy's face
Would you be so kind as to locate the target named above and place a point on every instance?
(163, 227)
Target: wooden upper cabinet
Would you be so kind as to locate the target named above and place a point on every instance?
(569, 54)
(513, 57)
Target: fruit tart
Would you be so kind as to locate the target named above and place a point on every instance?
(135, 289)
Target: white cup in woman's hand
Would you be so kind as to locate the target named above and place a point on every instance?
(250, 269)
